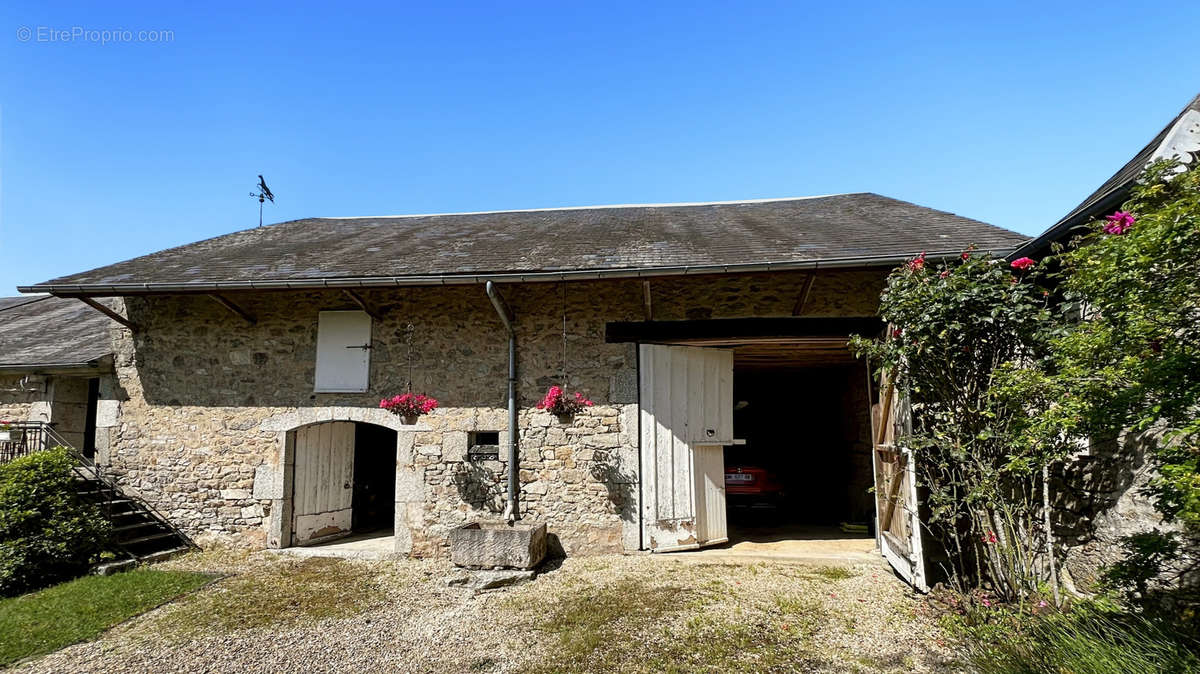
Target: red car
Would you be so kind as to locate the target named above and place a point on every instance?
(751, 485)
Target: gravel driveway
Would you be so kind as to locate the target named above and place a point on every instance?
(610, 613)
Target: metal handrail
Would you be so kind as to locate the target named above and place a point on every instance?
(83, 465)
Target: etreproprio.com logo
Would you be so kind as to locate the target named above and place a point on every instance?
(92, 35)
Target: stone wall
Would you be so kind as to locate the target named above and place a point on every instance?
(60, 399)
(1099, 500)
(18, 397)
(186, 425)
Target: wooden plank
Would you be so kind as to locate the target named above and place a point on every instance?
(885, 410)
(681, 451)
(893, 492)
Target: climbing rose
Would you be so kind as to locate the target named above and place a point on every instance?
(1119, 223)
(1022, 263)
(917, 263)
(944, 274)
(989, 537)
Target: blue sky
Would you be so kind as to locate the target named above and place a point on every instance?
(1009, 113)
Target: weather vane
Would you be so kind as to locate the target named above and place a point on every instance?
(263, 194)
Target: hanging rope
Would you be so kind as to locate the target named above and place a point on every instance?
(563, 284)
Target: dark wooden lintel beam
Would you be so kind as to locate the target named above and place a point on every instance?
(357, 299)
(106, 311)
(245, 315)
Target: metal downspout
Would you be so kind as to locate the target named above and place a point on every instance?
(512, 508)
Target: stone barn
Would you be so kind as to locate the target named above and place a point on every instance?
(55, 366)
(711, 338)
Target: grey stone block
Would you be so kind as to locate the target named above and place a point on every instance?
(490, 545)
(267, 483)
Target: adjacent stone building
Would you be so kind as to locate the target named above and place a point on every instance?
(55, 359)
(249, 368)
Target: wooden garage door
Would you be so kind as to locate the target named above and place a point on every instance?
(897, 518)
(323, 490)
(686, 416)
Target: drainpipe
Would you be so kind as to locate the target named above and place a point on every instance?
(511, 511)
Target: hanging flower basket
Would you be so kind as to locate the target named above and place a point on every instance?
(410, 406)
(561, 405)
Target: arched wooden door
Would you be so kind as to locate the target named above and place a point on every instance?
(323, 486)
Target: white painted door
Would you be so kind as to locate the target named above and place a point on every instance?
(686, 398)
(898, 522)
(323, 487)
(343, 351)
(710, 492)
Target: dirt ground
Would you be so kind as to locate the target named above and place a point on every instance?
(598, 614)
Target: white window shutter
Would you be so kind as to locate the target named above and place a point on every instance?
(343, 351)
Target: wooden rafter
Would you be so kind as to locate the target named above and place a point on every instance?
(804, 292)
(245, 315)
(106, 311)
(362, 304)
(646, 300)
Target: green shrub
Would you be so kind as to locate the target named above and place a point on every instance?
(47, 533)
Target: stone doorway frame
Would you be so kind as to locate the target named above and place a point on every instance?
(274, 481)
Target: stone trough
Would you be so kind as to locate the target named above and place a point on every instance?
(498, 545)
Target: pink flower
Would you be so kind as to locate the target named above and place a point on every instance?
(986, 602)
(1042, 604)
(944, 274)
(1119, 223)
(917, 263)
(556, 402)
(409, 404)
(1022, 263)
(966, 254)
(989, 537)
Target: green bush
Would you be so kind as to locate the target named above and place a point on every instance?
(47, 533)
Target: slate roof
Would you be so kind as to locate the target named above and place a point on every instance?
(645, 240)
(1180, 138)
(51, 332)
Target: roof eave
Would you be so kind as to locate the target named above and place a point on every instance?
(96, 366)
(115, 289)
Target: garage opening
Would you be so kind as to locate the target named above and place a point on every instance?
(800, 474)
(374, 502)
(345, 476)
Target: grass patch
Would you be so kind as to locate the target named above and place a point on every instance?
(1081, 641)
(285, 592)
(634, 625)
(834, 572)
(595, 625)
(79, 610)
